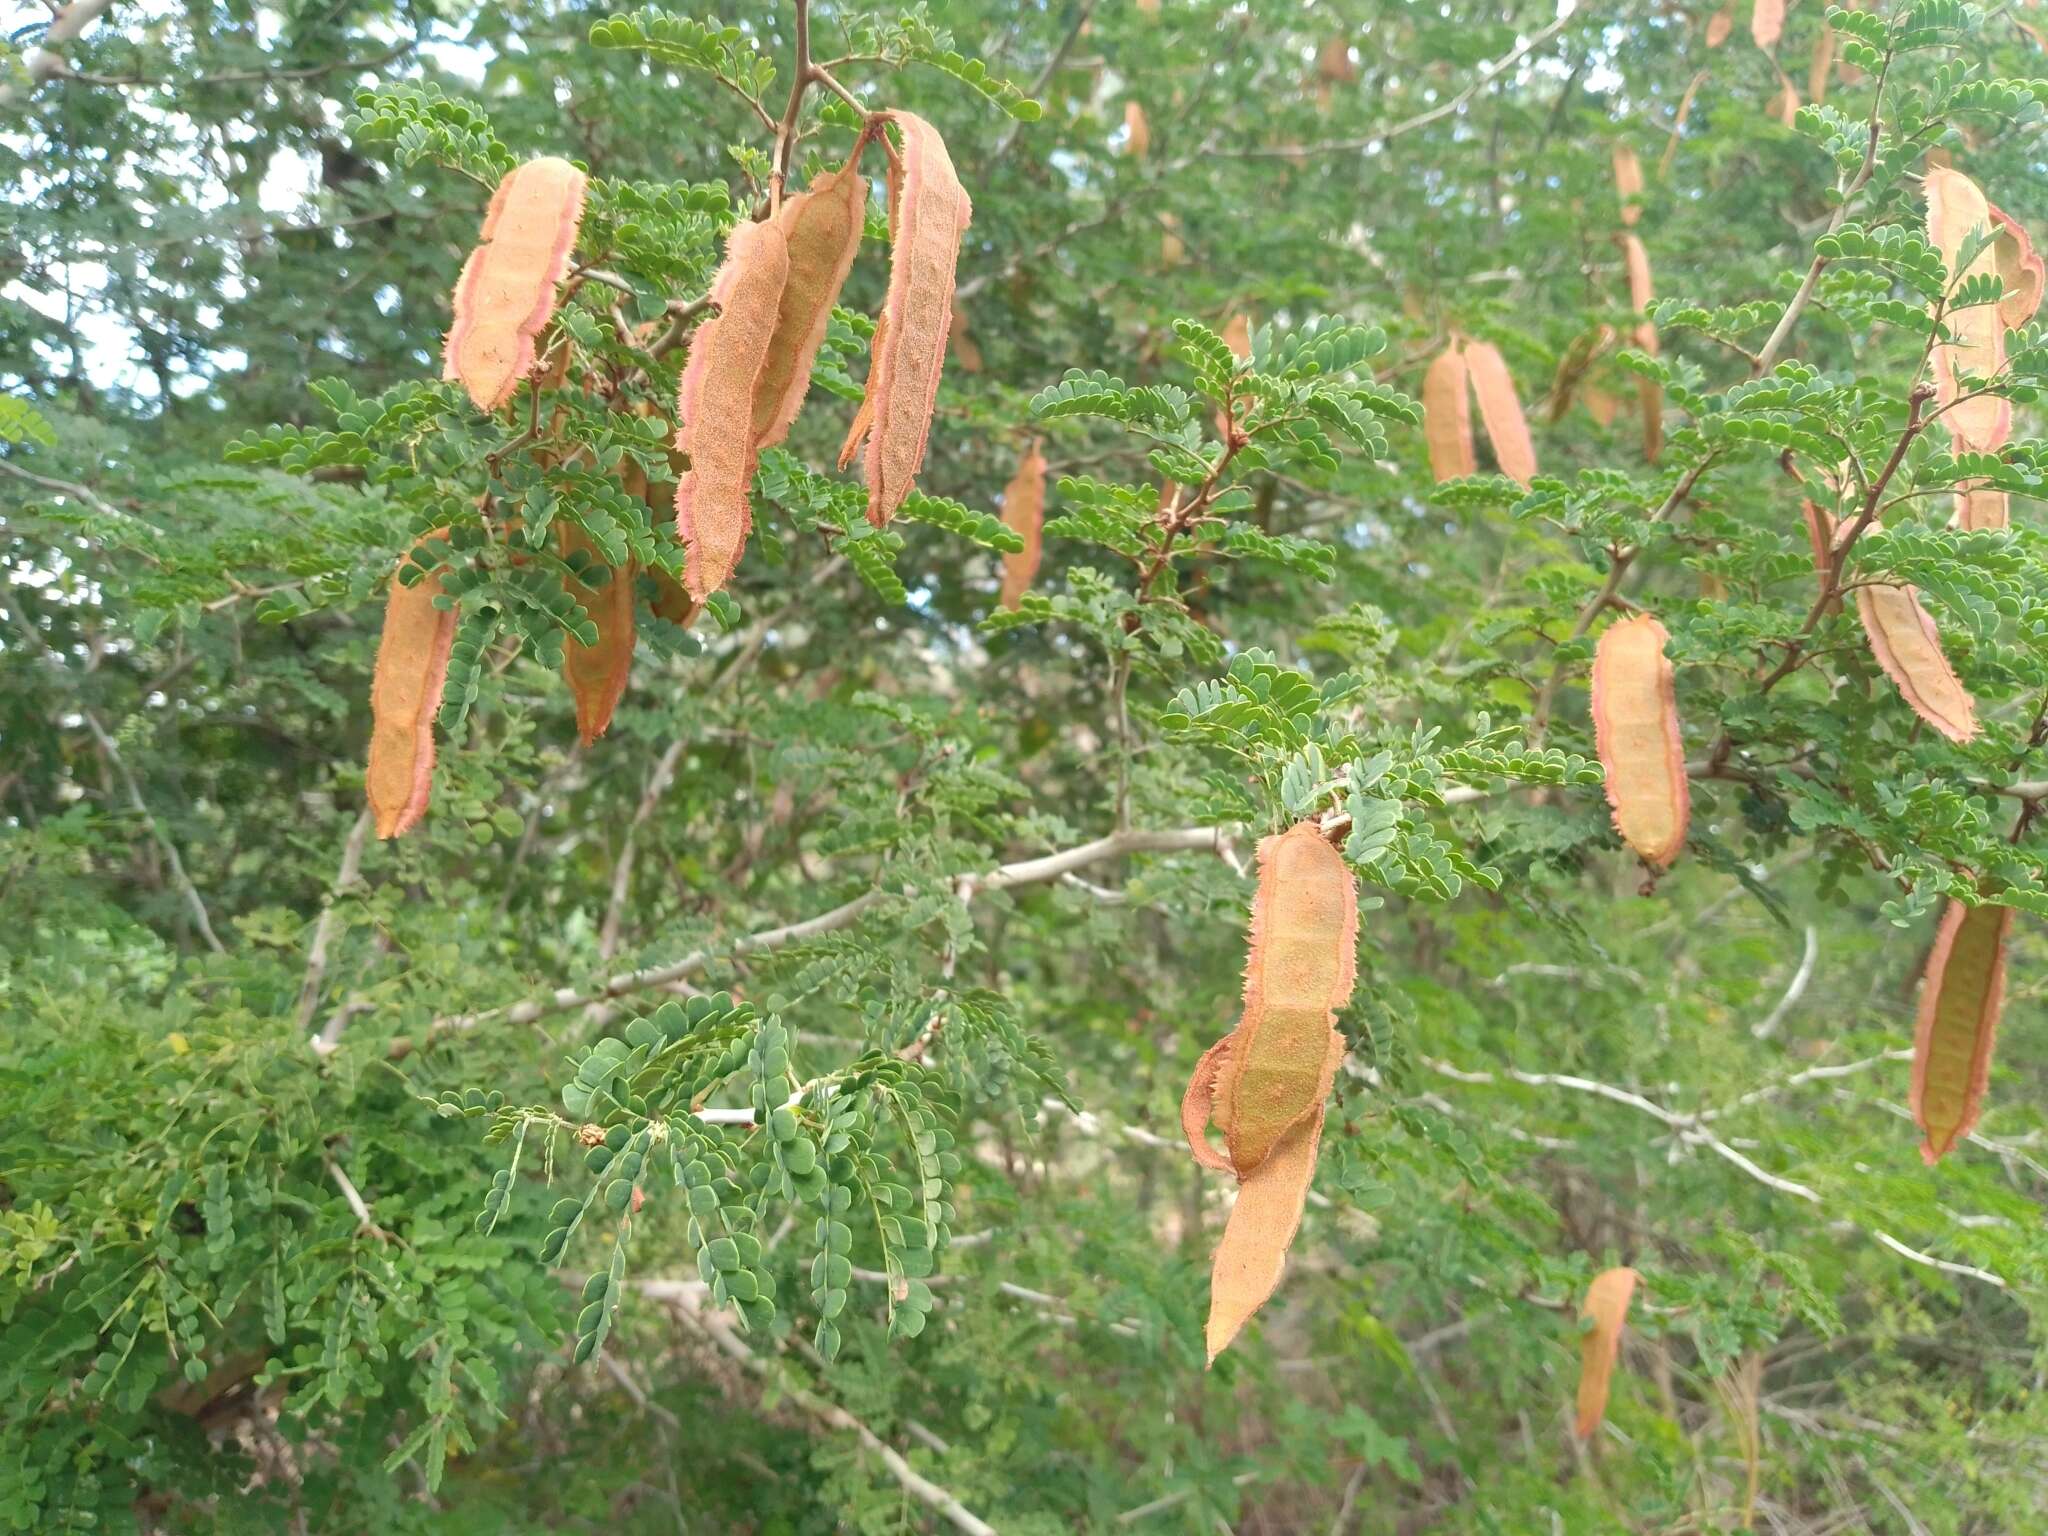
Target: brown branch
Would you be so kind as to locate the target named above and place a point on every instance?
(323, 931)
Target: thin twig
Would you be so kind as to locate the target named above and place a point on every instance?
(182, 880)
(345, 879)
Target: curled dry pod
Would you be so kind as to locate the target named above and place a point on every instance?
(1447, 416)
(1628, 181)
(1024, 512)
(1960, 999)
(1956, 210)
(1635, 725)
(1506, 428)
(1602, 1317)
(2020, 269)
(1137, 132)
(1719, 25)
(1906, 644)
(1264, 1085)
(1767, 23)
(506, 293)
(405, 695)
(715, 405)
(929, 211)
(821, 229)
(596, 674)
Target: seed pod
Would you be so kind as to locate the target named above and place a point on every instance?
(1821, 64)
(928, 213)
(1334, 62)
(1447, 416)
(2019, 267)
(506, 293)
(1628, 181)
(1635, 725)
(1678, 121)
(1302, 962)
(1906, 644)
(1264, 1084)
(715, 405)
(1719, 25)
(1767, 23)
(1603, 1316)
(1252, 1253)
(1237, 335)
(1024, 511)
(1506, 428)
(1955, 211)
(1786, 106)
(405, 695)
(965, 352)
(1172, 249)
(1979, 505)
(1137, 132)
(1600, 405)
(821, 227)
(1960, 999)
(1573, 367)
(596, 674)
(1649, 395)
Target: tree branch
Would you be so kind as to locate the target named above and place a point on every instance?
(45, 62)
(323, 931)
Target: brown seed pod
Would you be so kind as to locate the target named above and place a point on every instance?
(1137, 132)
(1628, 181)
(1787, 104)
(1024, 511)
(1499, 407)
(405, 695)
(1447, 416)
(1979, 505)
(821, 228)
(2020, 269)
(1649, 395)
(1334, 62)
(1264, 1084)
(1767, 23)
(1173, 250)
(1603, 1317)
(965, 352)
(929, 210)
(506, 293)
(1635, 726)
(1960, 999)
(1956, 210)
(1821, 65)
(596, 674)
(1719, 25)
(1904, 642)
(715, 405)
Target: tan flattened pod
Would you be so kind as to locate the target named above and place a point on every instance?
(1173, 250)
(1787, 106)
(1982, 506)
(1719, 25)
(929, 213)
(1628, 181)
(1960, 999)
(506, 293)
(1447, 416)
(405, 695)
(1499, 407)
(1264, 1084)
(1603, 1317)
(1767, 23)
(2019, 267)
(1237, 335)
(821, 228)
(1679, 120)
(1821, 65)
(1649, 395)
(1635, 725)
(961, 340)
(1137, 132)
(1906, 644)
(1955, 210)
(1024, 511)
(597, 673)
(715, 406)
